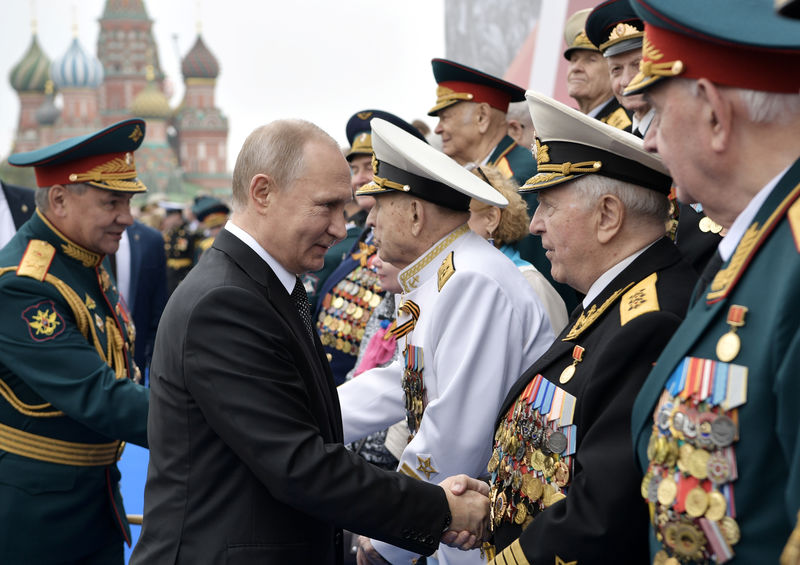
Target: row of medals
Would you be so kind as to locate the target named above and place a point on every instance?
(695, 442)
(531, 472)
(347, 308)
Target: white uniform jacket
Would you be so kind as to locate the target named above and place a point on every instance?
(480, 325)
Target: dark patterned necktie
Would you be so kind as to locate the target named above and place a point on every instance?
(303, 307)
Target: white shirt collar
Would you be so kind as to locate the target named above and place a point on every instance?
(287, 279)
(7, 227)
(604, 279)
(745, 218)
(644, 124)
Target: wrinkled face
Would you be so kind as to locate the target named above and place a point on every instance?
(623, 68)
(459, 131)
(565, 225)
(360, 171)
(392, 218)
(304, 219)
(387, 275)
(587, 75)
(96, 219)
(675, 134)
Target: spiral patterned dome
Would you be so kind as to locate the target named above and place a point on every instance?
(76, 69)
(33, 71)
(151, 102)
(199, 62)
(48, 113)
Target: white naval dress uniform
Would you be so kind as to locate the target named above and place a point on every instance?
(479, 329)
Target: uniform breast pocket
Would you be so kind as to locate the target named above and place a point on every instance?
(269, 554)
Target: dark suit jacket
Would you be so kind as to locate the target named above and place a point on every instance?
(148, 288)
(20, 201)
(603, 518)
(246, 464)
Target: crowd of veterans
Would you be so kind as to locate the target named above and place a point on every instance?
(538, 334)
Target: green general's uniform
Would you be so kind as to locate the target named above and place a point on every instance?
(716, 425)
(720, 413)
(68, 401)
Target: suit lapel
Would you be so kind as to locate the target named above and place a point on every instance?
(260, 272)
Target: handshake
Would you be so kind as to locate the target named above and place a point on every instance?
(468, 500)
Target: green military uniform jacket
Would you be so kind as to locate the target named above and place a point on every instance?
(721, 413)
(66, 399)
(513, 160)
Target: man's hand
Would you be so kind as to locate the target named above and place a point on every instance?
(367, 554)
(469, 507)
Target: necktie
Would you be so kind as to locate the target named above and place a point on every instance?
(638, 134)
(303, 307)
(707, 275)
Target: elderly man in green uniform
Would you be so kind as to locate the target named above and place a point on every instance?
(471, 106)
(715, 426)
(67, 374)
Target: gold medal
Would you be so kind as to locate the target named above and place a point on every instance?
(532, 487)
(660, 557)
(684, 454)
(376, 299)
(555, 497)
(717, 506)
(729, 344)
(667, 490)
(730, 530)
(569, 372)
(562, 474)
(338, 302)
(358, 313)
(646, 483)
(698, 463)
(493, 462)
(696, 502)
(522, 513)
(728, 347)
(704, 224)
(538, 460)
(346, 347)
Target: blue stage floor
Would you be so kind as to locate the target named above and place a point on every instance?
(133, 467)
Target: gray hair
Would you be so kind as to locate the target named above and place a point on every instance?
(519, 111)
(42, 195)
(762, 107)
(638, 201)
(276, 149)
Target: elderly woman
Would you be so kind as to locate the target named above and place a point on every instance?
(503, 228)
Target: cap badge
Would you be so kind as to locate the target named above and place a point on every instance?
(622, 30)
(136, 134)
(364, 115)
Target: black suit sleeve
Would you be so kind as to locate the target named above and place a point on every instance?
(252, 384)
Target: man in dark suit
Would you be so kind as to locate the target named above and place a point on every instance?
(146, 292)
(246, 461)
(16, 206)
(562, 467)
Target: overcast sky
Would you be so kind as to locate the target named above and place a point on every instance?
(320, 60)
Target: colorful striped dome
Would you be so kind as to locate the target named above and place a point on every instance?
(199, 62)
(76, 69)
(33, 71)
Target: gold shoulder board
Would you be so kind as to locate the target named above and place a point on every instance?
(446, 270)
(794, 222)
(618, 118)
(36, 260)
(504, 168)
(640, 299)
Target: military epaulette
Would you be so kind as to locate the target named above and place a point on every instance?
(37, 259)
(504, 168)
(640, 299)
(446, 270)
(793, 214)
(752, 240)
(206, 243)
(618, 118)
